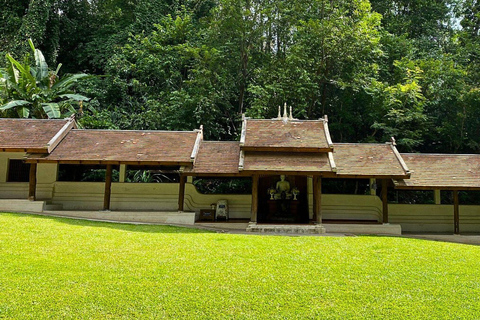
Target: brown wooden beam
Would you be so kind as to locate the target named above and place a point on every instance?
(32, 182)
(317, 199)
(449, 188)
(314, 192)
(385, 200)
(181, 192)
(456, 214)
(108, 188)
(286, 149)
(254, 198)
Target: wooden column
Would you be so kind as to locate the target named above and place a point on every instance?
(317, 199)
(254, 198)
(385, 200)
(32, 182)
(181, 192)
(108, 188)
(456, 215)
(123, 173)
(373, 187)
(436, 197)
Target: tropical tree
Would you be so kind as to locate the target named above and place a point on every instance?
(35, 91)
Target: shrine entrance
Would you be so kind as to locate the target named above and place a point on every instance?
(283, 199)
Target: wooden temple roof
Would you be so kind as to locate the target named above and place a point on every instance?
(280, 135)
(441, 171)
(369, 160)
(266, 147)
(32, 135)
(280, 162)
(216, 158)
(126, 146)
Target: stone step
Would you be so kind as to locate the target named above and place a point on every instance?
(21, 205)
(289, 229)
(380, 229)
(173, 217)
(53, 207)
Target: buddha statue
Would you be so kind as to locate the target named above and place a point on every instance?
(283, 189)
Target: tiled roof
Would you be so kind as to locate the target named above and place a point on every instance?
(288, 162)
(217, 158)
(174, 147)
(368, 159)
(447, 171)
(32, 135)
(292, 135)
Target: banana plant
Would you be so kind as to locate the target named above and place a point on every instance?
(35, 91)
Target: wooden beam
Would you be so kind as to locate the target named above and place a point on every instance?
(456, 215)
(314, 193)
(196, 146)
(108, 187)
(32, 182)
(449, 188)
(385, 200)
(181, 192)
(69, 125)
(327, 132)
(287, 149)
(317, 186)
(437, 196)
(243, 134)
(373, 186)
(254, 198)
(123, 173)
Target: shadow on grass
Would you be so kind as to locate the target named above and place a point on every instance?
(145, 228)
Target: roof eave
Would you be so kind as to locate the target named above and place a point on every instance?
(287, 149)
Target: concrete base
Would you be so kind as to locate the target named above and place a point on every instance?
(384, 229)
(281, 228)
(237, 226)
(153, 217)
(20, 205)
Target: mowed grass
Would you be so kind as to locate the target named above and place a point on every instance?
(63, 268)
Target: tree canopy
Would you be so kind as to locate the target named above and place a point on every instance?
(378, 68)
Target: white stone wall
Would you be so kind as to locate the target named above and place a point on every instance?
(11, 190)
(434, 217)
(164, 197)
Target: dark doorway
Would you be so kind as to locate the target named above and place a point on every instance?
(282, 209)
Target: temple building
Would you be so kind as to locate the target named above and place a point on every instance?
(298, 178)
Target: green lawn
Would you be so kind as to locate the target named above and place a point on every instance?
(62, 268)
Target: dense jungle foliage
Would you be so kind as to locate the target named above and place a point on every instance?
(379, 68)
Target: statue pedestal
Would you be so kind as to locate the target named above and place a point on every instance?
(272, 208)
(294, 208)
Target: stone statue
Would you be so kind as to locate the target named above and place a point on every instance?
(283, 189)
(283, 185)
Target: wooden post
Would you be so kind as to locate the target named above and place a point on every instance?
(317, 199)
(456, 215)
(373, 190)
(123, 172)
(181, 192)
(108, 188)
(32, 182)
(254, 198)
(436, 197)
(385, 200)
(314, 192)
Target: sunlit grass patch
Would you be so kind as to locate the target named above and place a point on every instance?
(65, 268)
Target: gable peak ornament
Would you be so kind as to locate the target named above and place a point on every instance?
(285, 114)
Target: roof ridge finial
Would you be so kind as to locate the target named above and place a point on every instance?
(392, 140)
(285, 114)
(291, 114)
(279, 113)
